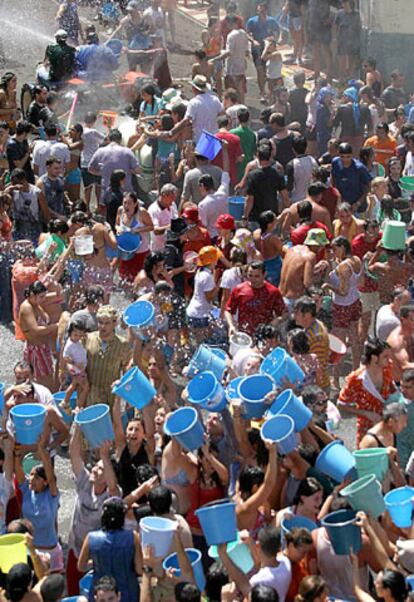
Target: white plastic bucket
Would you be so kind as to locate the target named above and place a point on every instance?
(83, 245)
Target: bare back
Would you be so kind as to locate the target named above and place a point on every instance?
(297, 270)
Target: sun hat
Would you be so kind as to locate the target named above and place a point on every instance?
(208, 255)
(316, 237)
(200, 83)
(225, 221)
(191, 213)
(243, 239)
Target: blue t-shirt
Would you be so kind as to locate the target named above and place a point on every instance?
(351, 181)
(41, 509)
(260, 29)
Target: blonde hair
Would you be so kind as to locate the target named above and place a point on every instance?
(107, 311)
(377, 182)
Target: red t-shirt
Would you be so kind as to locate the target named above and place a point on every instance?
(255, 305)
(359, 248)
(329, 200)
(234, 150)
(298, 235)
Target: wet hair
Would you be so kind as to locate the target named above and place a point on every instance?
(131, 195)
(307, 487)
(94, 294)
(266, 218)
(187, 592)
(316, 189)
(18, 581)
(382, 125)
(56, 226)
(299, 77)
(36, 288)
(306, 450)
(105, 584)
(395, 582)
(18, 175)
(51, 98)
(345, 207)
(342, 241)
(266, 331)
(23, 365)
(79, 217)
(50, 129)
(23, 127)
(4, 125)
(79, 128)
(321, 173)
(257, 265)
(345, 148)
(269, 539)
(113, 514)
(115, 135)
(306, 305)
(151, 90)
(6, 79)
(250, 476)
(365, 153)
(243, 115)
(299, 145)
(370, 223)
(255, 440)
(151, 261)
(160, 500)
(373, 347)
(278, 119)
(206, 180)
(238, 255)
(263, 593)
(387, 205)
(310, 587)
(298, 537)
(216, 578)
(265, 115)
(20, 525)
(299, 340)
(304, 209)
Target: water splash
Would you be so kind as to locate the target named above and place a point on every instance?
(27, 33)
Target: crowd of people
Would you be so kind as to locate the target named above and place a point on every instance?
(296, 236)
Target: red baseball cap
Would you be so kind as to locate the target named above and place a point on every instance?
(225, 222)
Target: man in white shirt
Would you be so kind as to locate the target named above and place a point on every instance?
(237, 48)
(162, 211)
(202, 109)
(214, 202)
(44, 149)
(387, 317)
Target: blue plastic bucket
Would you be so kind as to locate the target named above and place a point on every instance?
(28, 419)
(287, 403)
(218, 521)
(116, 46)
(205, 359)
(236, 206)
(232, 389)
(252, 391)
(205, 391)
(297, 522)
(208, 145)
(184, 425)
(410, 582)
(60, 396)
(399, 504)
(343, 533)
(139, 42)
(372, 460)
(282, 367)
(140, 316)
(238, 552)
(281, 430)
(96, 424)
(70, 599)
(128, 245)
(85, 584)
(194, 556)
(157, 532)
(135, 388)
(336, 461)
(2, 387)
(365, 494)
(110, 252)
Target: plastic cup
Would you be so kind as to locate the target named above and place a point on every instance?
(96, 424)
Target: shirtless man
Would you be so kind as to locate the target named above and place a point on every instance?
(290, 216)
(97, 268)
(298, 268)
(392, 273)
(401, 342)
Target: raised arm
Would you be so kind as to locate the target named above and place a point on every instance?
(75, 451)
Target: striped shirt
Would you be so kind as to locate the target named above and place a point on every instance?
(319, 345)
(107, 360)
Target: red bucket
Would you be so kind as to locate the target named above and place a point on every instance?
(337, 349)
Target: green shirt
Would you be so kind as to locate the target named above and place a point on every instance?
(248, 144)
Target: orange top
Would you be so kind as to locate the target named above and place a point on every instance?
(384, 149)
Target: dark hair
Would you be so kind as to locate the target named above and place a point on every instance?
(278, 119)
(263, 593)
(106, 584)
(406, 310)
(115, 135)
(77, 325)
(243, 115)
(299, 340)
(223, 121)
(321, 173)
(316, 189)
(298, 537)
(299, 145)
(395, 582)
(23, 127)
(187, 592)
(90, 117)
(306, 305)
(149, 89)
(365, 153)
(266, 331)
(51, 97)
(6, 79)
(373, 347)
(79, 128)
(179, 109)
(345, 148)
(264, 152)
(160, 500)
(167, 123)
(113, 514)
(306, 450)
(116, 178)
(387, 205)
(129, 194)
(23, 365)
(269, 539)
(307, 487)
(56, 226)
(265, 115)
(4, 125)
(50, 129)
(382, 125)
(310, 587)
(299, 77)
(18, 581)
(368, 223)
(250, 476)
(200, 54)
(206, 180)
(304, 209)
(342, 241)
(216, 577)
(231, 94)
(94, 294)
(36, 288)
(257, 443)
(151, 261)
(408, 375)
(266, 218)
(257, 265)
(52, 588)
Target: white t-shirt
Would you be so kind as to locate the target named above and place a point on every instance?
(203, 110)
(386, 321)
(44, 149)
(238, 46)
(215, 204)
(278, 577)
(199, 307)
(75, 353)
(92, 140)
(231, 278)
(231, 113)
(274, 67)
(160, 218)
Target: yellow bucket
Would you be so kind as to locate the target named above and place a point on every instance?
(12, 551)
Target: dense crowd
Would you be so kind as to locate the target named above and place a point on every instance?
(200, 303)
